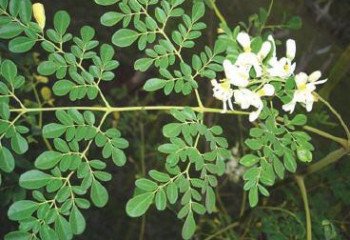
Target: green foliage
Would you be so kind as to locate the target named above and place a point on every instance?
(164, 49)
(276, 147)
(11, 131)
(191, 173)
(68, 177)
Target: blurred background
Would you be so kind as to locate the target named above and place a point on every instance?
(323, 43)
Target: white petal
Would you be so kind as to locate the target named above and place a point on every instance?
(292, 69)
(309, 104)
(269, 90)
(289, 107)
(224, 107)
(242, 98)
(272, 40)
(228, 68)
(258, 70)
(315, 76)
(230, 105)
(244, 40)
(310, 87)
(291, 49)
(265, 50)
(214, 82)
(255, 115)
(301, 78)
(320, 82)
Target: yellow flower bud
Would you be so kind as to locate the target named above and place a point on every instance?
(39, 14)
(46, 93)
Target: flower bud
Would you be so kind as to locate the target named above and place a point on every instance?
(244, 40)
(265, 50)
(291, 49)
(39, 14)
(269, 90)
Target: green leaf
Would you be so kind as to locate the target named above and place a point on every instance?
(21, 44)
(53, 130)
(294, 23)
(48, 160)
(160, 200)
(22, 209)
(299, 120)
(110, 19)
(106, 2)
(159, 176)
(154, 84)
(189, 226)
(289, 162)
(210, 200)
(25, 12)
(7, 162)
(77, 221)
(172, 192)
(146, 184)
(10, 30)
(8, 70)
(124, 37)
(198, 11)
(14, 7)
(304, 155)
(34, 179)
(253, 196)
(47, 68)
(172, 130)
(63, 87)
(118, 157)
(143, 64)
(61, 22)
(249, 160)
(139, 204)
(99, 194)
(63, 228)
(254, 144)
(19, 144)
(18, 235)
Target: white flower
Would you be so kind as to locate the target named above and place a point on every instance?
(284, 67)
(247, 59)
(223, 92)
(304, 93)
(247, 98)
(237, 75)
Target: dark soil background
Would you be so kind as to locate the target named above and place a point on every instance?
(323, 39)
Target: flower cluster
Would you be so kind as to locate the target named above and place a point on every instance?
(253, 75)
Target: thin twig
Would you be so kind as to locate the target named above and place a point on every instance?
(301, 184)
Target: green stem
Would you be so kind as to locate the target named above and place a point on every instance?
(228, 227)
(263, 26)
(218, 12)
(127, 109)
(337, 115)
(329, 159)
(301, 184)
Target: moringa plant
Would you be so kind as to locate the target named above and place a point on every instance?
(242, 67)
